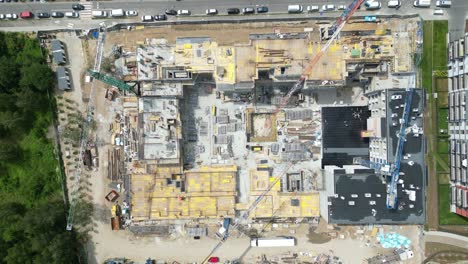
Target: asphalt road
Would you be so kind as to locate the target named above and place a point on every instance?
(198, 7)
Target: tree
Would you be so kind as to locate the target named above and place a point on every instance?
(8, 74)
(33, 101)
(10, 120)
(8, 151)
(38, 76)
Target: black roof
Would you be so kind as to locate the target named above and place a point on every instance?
(360, 183)
(56, 45)
(59, 58)
(63, 79)
(341, 134)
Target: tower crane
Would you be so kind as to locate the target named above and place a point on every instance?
(121, 85)
(336, 29)
(392, 190)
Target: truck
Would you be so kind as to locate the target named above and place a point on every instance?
(273, 242)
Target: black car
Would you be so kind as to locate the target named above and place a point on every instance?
(43, 15)
(233, 11)
(160, 17)
(262, 9)
(171, 12)
(78, 7)
(57, 14)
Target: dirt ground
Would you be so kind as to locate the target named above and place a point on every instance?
(237, 33)
(443, 253)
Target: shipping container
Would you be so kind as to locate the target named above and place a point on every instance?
(273, 242)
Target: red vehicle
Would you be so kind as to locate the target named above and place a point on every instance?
(213, 260)
(26, 14)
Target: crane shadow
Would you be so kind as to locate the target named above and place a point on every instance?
(241, 257)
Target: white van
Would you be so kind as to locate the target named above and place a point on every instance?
(99, 13)
(422, 3)
(295, 9)
(117, 13)
(394, 3)
(443, 3)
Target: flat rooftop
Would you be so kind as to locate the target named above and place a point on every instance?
(411, 190)
(341, 134)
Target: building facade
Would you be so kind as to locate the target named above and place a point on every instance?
(457, 123)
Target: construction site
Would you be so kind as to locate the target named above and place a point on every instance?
(208, 136)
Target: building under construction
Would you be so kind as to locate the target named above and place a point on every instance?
(204, 139)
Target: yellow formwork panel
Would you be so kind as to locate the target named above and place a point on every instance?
(259, 180)
(310, 205)
(178, 208)
(225, 202)
(159, 207)
(264, 207)
(277, 185)
(223, 182)
(202, 207)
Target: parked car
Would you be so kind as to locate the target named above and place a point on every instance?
(233, 11)
(26, 14)
(328, 8)
(295, 9)
(211, 11)
(262, 9)
(147, 18)
(438, 12)
(117, 12)
(443, 3)
(374, 5)
(160, 17)
(248, 10)
(57, 14)
(2, 16)
(131, 13)
(43, 15)
(314, 8)
(341, 7)
(11, 16)
(394, 3)
(183, 12)
(213, 260)
(78, 7)
(171, 12)
(72, 14)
